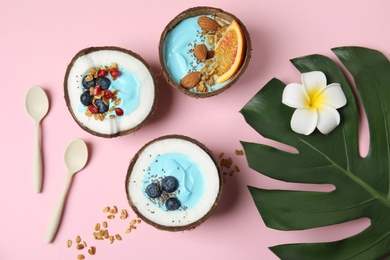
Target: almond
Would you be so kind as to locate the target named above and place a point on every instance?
(208, 24)
(200, 52)
(210, 54)
(190, 80)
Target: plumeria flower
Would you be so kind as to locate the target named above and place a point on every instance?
(316, 103)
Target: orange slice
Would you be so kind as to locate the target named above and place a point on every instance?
(229, 52)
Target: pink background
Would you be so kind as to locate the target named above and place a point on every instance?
(39, 38)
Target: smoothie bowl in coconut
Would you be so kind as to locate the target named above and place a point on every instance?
(173, 183)
(109, 91)
(203, 51)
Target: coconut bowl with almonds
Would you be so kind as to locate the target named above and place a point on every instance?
(203, 51)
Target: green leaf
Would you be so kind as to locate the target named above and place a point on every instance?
(361, 184)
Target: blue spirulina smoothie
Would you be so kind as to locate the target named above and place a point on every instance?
(191, 180)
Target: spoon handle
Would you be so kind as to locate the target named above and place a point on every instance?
(37, 160)
(55, 220)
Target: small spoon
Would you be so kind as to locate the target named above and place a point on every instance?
(76, 156)
(37, 105)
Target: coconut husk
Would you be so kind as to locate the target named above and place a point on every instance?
(173, 228)
(94, 49)
(196, 11)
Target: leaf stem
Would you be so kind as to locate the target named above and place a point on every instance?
(359, 181)
(381, 102)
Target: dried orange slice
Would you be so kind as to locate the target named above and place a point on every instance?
(229, 52)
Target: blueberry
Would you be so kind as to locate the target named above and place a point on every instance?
(86, 98)
(153, 190)
(101, 106)
(172, 204)
(88, 84)
(104, 83)
(169, 184)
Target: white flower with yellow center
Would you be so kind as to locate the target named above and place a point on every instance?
(316, 103)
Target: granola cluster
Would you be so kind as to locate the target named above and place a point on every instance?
(98, 99)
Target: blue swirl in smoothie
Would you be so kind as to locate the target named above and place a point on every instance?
(185, 170)
(177, 50)
(129, 90)
(128, 87)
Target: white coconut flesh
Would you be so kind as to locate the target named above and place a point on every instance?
(110, 126)
(158, 214)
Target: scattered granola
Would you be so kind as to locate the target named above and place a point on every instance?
(101, 231)
(79, 246)
(92, 250)
(123, 214)
(239, 152)
(104, 224)
(226, 164)
(97, 226)
(111, 216)
(118, 237)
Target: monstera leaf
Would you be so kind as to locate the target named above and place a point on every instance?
(361, 184)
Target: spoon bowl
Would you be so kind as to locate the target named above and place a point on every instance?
(76, 157)
(37, 105)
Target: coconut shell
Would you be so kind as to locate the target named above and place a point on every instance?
(196, 11)
(94, 49)
(173, 228)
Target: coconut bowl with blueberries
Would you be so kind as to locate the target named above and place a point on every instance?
(110, 91)
(173, 183)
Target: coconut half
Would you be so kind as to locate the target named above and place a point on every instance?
(180, 56)
(132, 86)
(197, 174)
